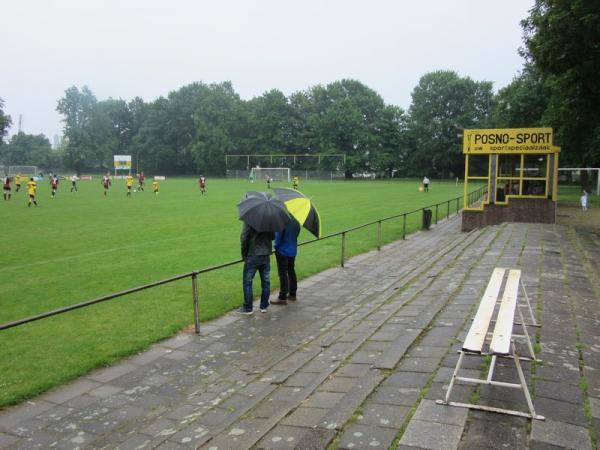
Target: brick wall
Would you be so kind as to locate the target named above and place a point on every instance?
(529, 210)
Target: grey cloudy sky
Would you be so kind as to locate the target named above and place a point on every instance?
(147, 48)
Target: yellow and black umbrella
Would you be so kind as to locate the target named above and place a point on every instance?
(301, 208)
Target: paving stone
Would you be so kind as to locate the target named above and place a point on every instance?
(305, 417)
(353, 370)
(406, 379)
(363, 437)
(283, 437)
(323, 400)
(560, 434)
(560, 411)
(500, 436)
(426, 365)
(386, 416)
(396, 396)
(421, 351)
(7, 439)
(558, 391)
(301, 379)
(10, 418)
(315, 439)
(338, 384)
(429, 410)
(111, 373)
(431, 435)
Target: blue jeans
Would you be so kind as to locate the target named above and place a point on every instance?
(252, 263)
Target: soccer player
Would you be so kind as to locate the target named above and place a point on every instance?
(7, 188)
(129, 184)
(18, 182)
(269, 181)
(295, 183)
(106, 183)
(141, 181)
(202, 184)
(31, 191)
(53, 185)
(155, 187)
(74, 179)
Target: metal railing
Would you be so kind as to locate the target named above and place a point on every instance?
(473, 197)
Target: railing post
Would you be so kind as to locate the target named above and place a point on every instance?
(404, 226)
(448, 210)
(436, 213)
(196, 308)
(457, 205)
(379, 235)
(343, 248)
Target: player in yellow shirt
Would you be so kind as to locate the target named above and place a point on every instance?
(155, 187)
(31, 191)
(18, 182)
(295, 183)
(129, 184)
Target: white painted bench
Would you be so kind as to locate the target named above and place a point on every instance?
(501, 342)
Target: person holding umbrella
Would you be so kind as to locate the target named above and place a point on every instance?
(262, 216)
(286, 248)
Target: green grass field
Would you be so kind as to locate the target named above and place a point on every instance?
(79, 246)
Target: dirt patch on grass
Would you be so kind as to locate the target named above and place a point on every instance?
(572, 214)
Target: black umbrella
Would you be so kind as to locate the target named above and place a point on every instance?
(263, 212)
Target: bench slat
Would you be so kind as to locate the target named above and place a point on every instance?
(501, 338)
(478, 331)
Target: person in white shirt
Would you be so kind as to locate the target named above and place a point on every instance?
(425, 184)
(584, 200)
(74, 179)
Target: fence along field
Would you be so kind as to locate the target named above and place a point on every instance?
(81, 245)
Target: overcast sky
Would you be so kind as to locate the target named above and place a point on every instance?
(147, 48)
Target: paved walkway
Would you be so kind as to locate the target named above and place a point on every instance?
(356, 363)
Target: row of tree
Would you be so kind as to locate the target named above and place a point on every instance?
(193, 128)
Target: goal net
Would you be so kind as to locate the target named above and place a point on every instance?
(276, 173)
(587, 178)
(29, 171)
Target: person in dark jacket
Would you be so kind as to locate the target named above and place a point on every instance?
(286, 248)
(256, 251)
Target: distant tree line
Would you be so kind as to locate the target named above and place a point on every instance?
(193, 128)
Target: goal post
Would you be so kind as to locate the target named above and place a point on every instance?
(276, 173)
(25, 171)
(587, 177)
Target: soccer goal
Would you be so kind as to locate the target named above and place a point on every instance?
(26, 171)
(276, 173)
(587, 177)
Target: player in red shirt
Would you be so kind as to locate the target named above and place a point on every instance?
(53, 185)
(7, 189)
(202, 184)
(106, 183)
(141, 180)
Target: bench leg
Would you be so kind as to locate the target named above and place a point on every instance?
(533, 321)
(456, 369)
(524, 385)
(527, 338)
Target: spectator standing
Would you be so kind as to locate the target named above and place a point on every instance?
(256, 250)
(286, 248)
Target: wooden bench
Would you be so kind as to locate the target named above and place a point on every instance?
(501, 342)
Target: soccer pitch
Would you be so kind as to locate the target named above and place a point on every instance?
(83, 245)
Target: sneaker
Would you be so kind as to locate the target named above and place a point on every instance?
(263, 310)
(278, 301)
(292, 297)
(245, 312)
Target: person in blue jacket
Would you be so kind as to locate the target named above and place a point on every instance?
(286, 248)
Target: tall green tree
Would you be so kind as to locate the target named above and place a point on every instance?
(28, 149)
(562, 40)
(79, 110)
(523, 102)
(345, 120)
(5, 122)
(443, 104)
